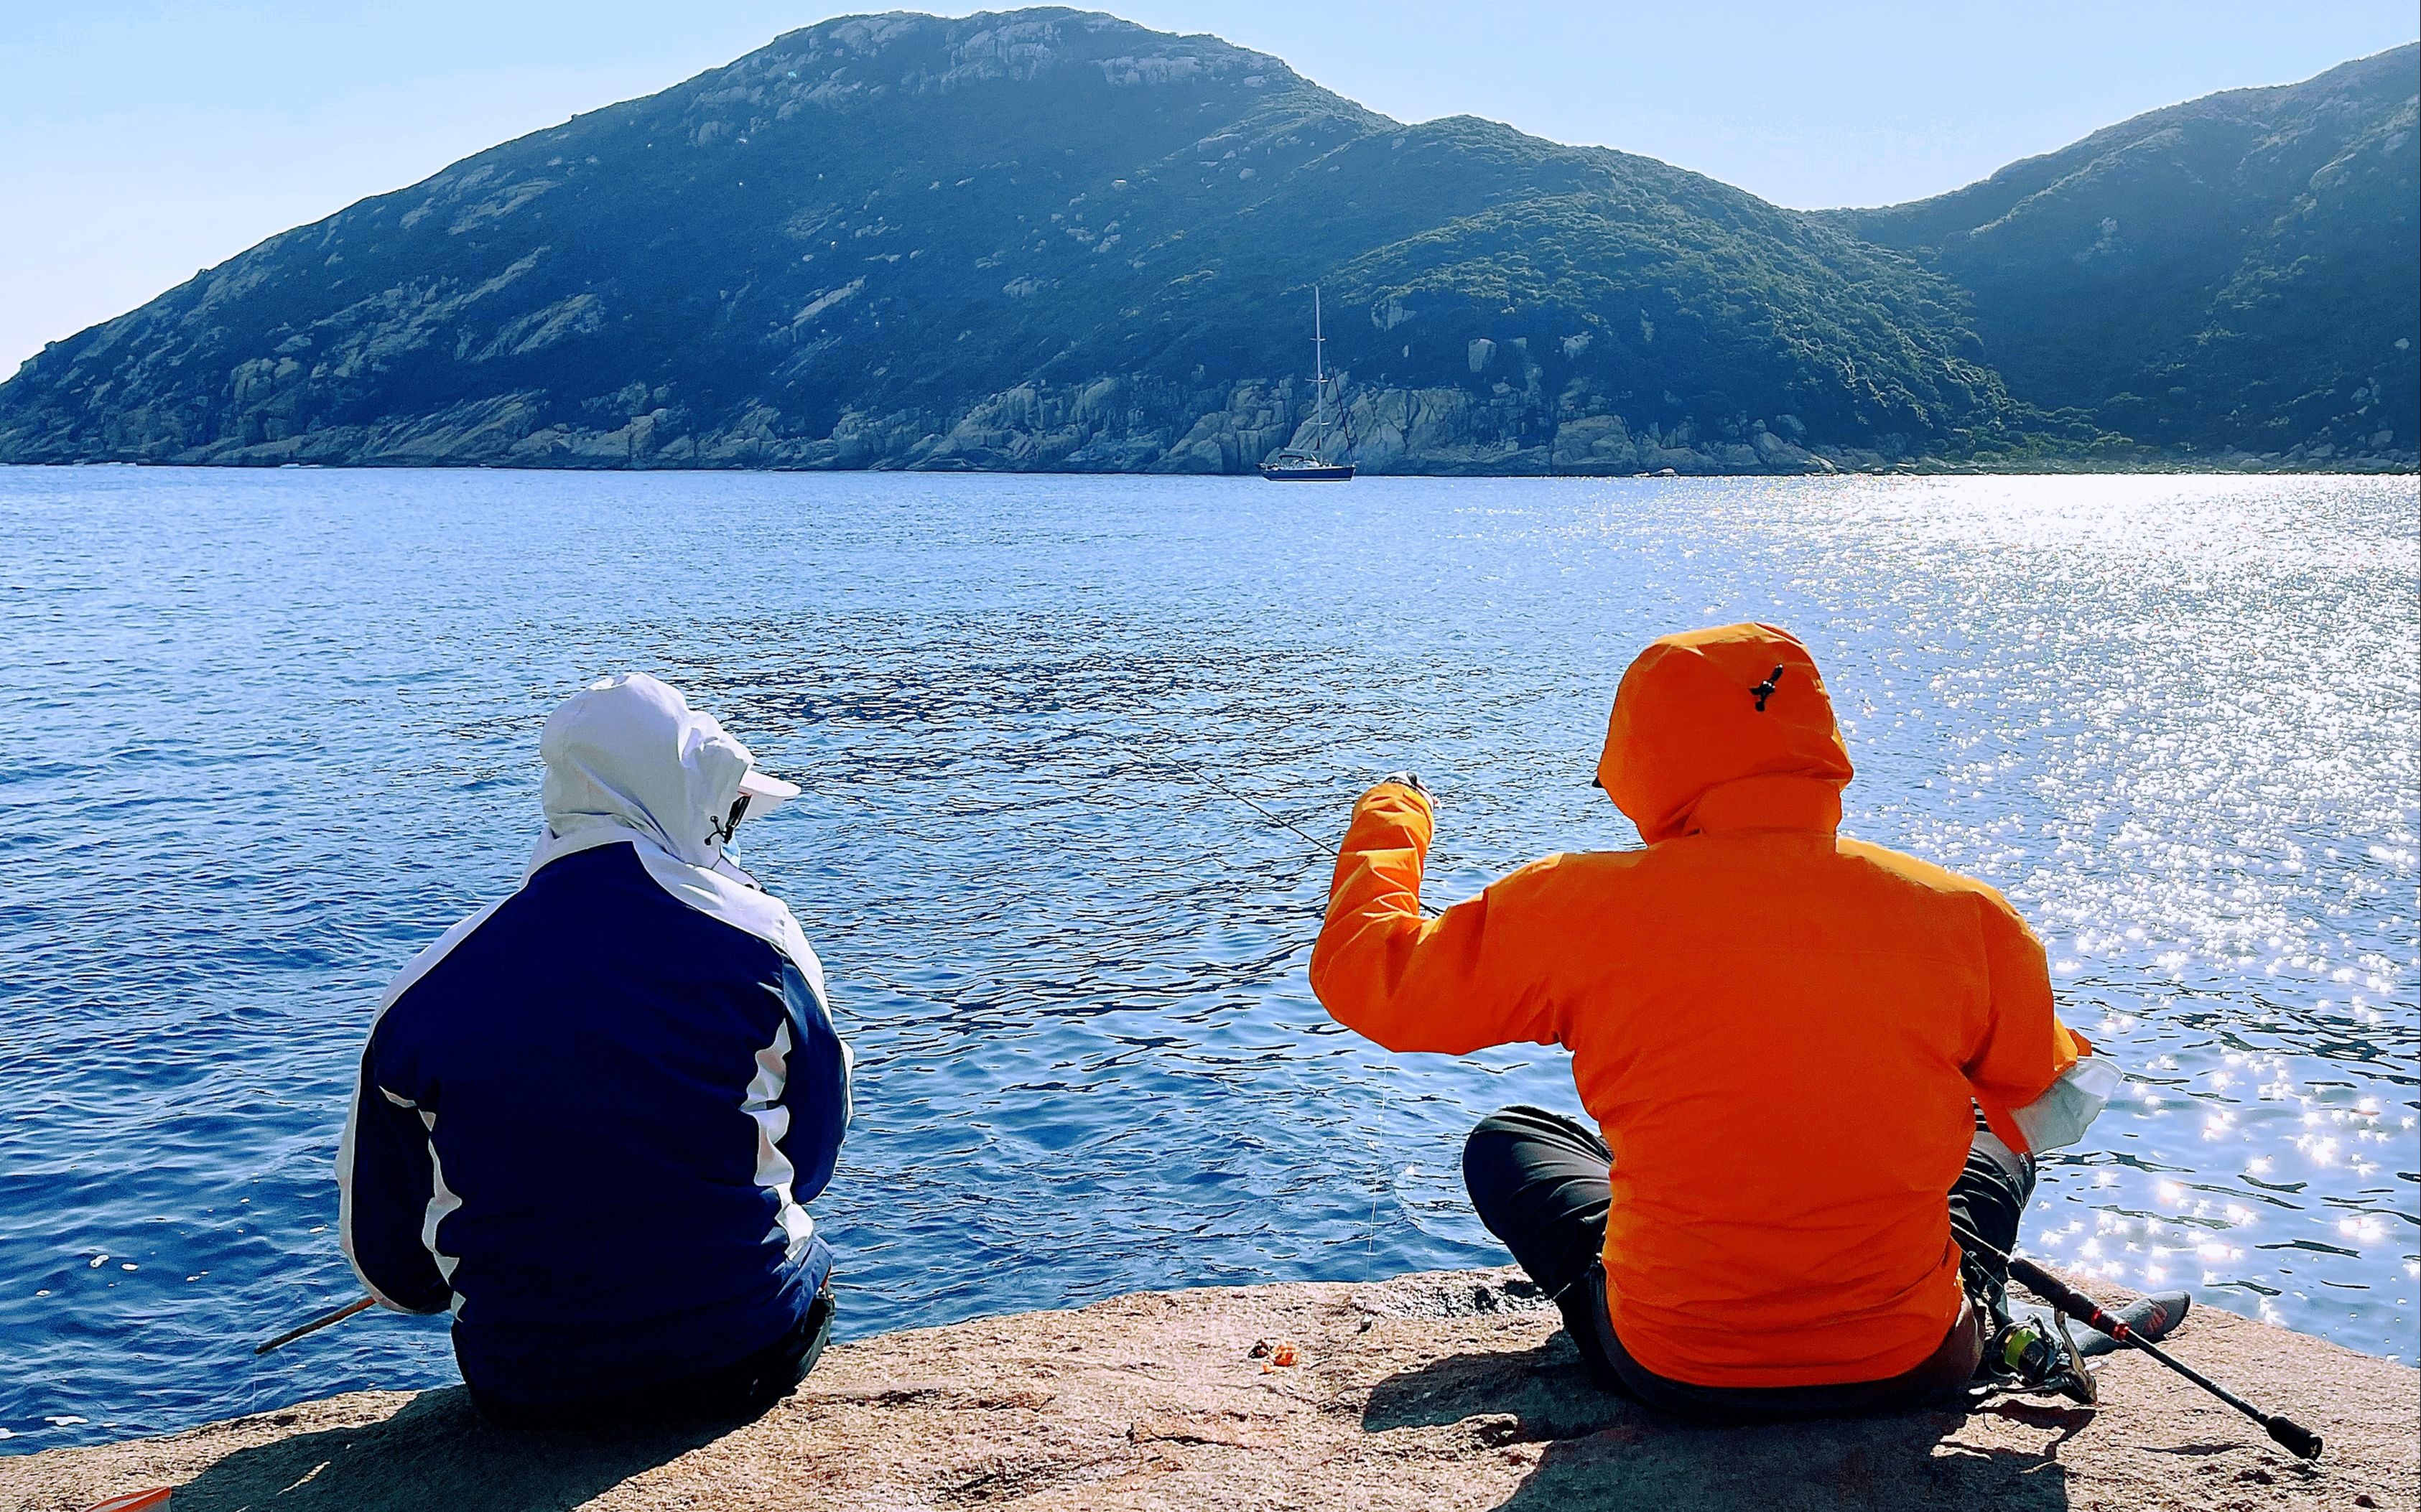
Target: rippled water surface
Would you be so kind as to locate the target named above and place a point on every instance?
(268, 733)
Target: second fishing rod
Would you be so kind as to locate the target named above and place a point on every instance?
(2295, 1438)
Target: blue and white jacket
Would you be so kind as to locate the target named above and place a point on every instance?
(589, 1114)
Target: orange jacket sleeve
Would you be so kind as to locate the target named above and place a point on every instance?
(2023, 1047)
(1452, 985)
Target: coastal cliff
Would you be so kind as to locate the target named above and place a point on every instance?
(1052, 240)
(1446, 1390)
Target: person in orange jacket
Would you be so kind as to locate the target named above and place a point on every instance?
(1806, 1054)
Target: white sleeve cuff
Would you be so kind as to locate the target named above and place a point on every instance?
(2061, 1115)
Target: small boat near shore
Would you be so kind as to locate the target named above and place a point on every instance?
(1292, 467)
(1298, 464)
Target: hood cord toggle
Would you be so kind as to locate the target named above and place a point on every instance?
(1765, 689)
(725, 831)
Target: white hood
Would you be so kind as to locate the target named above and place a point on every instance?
(628, 756)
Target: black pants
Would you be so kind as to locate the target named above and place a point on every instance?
(1538, 1182)
(742, 1388)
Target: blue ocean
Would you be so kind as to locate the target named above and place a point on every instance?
(263, 735)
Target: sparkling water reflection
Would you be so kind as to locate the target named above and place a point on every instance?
(268, 733)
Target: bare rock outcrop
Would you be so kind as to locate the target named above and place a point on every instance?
(1448, 1389)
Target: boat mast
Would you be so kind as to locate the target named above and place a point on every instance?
(1318, 376)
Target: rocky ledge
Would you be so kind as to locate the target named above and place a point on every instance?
(1437, 1391)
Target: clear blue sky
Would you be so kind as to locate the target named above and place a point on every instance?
(143, 139)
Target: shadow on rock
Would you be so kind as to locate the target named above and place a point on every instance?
(1600, 1451)
(1508, 1396)
(437, 1452)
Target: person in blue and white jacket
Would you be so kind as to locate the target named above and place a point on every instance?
(590, 1116)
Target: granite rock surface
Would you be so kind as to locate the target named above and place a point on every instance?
(1445, 1390)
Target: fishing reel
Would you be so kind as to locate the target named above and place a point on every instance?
(2029, 1355)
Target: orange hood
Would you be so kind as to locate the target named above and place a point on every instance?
(1704, 731)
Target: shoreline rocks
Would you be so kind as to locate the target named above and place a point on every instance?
(1442, 1390)
(1129, 424)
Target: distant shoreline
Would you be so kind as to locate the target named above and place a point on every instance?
(1933, 468)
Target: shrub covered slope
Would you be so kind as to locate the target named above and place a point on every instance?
(2238, 273)
(1048, 238)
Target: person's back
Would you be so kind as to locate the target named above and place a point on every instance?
(1783, 1034)
(590, 1115)
(1804, 1000)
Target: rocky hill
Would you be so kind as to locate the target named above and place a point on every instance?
(2236, 273)
(1053, 239)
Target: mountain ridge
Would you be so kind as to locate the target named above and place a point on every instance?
(2169, 308)
(1051, 238)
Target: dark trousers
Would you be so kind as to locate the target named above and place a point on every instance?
(742, 1388)
(1540, 1184)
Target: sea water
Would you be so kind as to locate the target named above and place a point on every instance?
(263, 735)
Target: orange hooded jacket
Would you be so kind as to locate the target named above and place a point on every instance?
(1778, 1030)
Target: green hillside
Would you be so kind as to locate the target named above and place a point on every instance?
(1049, 238)
(2238, 273)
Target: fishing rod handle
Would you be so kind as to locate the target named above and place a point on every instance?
(2084, 1309)
(2068, 1300)
(2297, 1439)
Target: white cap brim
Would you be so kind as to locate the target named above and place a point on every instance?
(766, 792)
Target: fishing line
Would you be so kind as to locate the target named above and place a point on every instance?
(1383, 1177)
(1320, 846)
(1323, 849)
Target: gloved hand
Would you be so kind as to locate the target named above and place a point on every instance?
(1406, 779)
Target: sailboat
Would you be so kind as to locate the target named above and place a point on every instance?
(1296, 464)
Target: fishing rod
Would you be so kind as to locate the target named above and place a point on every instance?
(359, 1304)
(1320, 847)
(2297, 1439)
